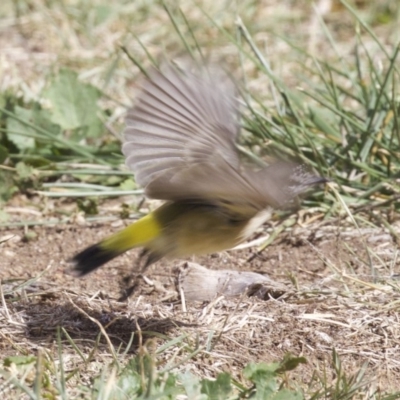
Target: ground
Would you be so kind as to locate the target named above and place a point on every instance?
(333, 299)
(339, 272)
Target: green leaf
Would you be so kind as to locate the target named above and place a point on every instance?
(3, 154)
(129, 384)
(218, 389)
(18, 132)
(19, 360)
(74, 104)
(289, 363)
(252, 371)
(192, 386)
(7, 189)
(264, 376)
(24, 171)
(128, 184)
(23, 134)
(265, 382)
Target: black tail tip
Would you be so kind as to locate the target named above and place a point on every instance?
(90, 259)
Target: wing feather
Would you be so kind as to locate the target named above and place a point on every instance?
(180, 143)
(181, 119)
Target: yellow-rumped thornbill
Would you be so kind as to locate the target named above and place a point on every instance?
(180, 142)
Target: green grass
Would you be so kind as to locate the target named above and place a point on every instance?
(338, 113)
(342, 120)
(44, 376)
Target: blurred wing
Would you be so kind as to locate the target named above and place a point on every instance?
(239, 193)
(218, 184)
(181, 121)
(180, 143)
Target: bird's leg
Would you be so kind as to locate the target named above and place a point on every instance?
(131, 281)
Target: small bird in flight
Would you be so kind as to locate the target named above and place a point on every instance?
(180, 142)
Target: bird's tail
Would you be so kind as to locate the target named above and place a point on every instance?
(135, 235)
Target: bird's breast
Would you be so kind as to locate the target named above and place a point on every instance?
(203, 229)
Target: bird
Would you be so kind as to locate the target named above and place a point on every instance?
(180, 141)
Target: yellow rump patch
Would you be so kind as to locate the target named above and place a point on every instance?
(137, 234)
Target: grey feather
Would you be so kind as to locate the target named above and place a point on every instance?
(180, 143)
(181, 119)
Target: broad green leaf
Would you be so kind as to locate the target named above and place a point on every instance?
(20, 133)
(253, 370)
(192, 386)
(23, 134)
(129, 384)
(264, 376)
(74, 104)
(218, 389)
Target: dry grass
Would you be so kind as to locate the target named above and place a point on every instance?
(341, 278)
(335, 299)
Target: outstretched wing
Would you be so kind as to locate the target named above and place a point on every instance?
(180, 143)
(181, 120)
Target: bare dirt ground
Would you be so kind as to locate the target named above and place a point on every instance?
(332, 301)
(342, 291)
